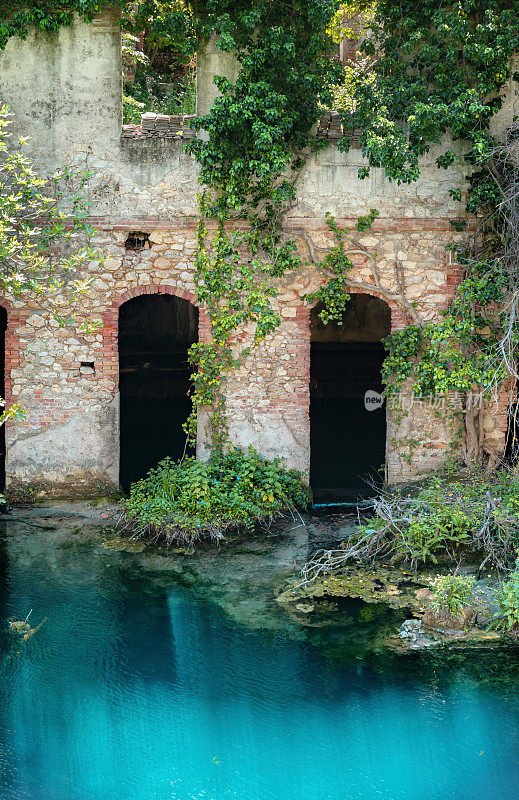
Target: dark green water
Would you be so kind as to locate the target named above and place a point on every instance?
(140, 688)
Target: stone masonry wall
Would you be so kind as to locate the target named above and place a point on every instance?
(69, 443)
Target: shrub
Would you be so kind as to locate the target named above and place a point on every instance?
(451, 593)
(193, 499)
(132, 110)
(474, 511)
(454, 515)
(509, 601)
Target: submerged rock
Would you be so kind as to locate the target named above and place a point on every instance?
(127, 545)
(449, 623)
(398, 588)
(411, 631)
(413, 635)
(306, 608)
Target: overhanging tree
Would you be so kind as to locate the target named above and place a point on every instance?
(43, 236)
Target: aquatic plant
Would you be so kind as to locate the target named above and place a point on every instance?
(450, 593)
(509, 602)
(190, 500)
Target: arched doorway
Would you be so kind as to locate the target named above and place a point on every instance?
(347, 428)
(155, 333)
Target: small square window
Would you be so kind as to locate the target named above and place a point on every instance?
(136, 241)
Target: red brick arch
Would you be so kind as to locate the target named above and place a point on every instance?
(300, 344)
(110, 365)
(12, 344)
(398, 319)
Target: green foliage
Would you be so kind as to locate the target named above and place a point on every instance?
(43, 230)
(451, 593)
(449, 515)
(132, 110)
(260, 122)
(131, 52)
(436, 68)
(334, 294)
(236, 293)
(178, 97)
(426, 70)
(167, 24)
(509, 601)
(44, 15)
(258, 130)
(456, 354)
(345, 21)
(43, 237)
(193, 499)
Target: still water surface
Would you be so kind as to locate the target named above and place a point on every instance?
(140, 689)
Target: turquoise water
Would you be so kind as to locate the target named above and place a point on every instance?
(140, 689)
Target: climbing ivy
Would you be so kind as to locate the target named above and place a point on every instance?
(428, 72)
(259, 132)
(166, 24)
(436, 68)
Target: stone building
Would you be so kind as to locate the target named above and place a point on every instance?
(101, 406)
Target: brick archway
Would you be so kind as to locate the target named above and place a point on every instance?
(397, 315)
(110, 365)
(12, 344)
(398, 321)
(348, 444)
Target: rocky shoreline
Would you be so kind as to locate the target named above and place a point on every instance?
(405, 591)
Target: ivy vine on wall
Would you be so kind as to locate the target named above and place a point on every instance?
(429, 73)
(435, 73)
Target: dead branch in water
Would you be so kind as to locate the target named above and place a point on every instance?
(391, 535)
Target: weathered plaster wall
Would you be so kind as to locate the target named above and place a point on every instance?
(330, 183)
(65, 93)
(212, 62)
(65, 89)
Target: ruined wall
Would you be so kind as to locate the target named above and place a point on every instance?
(65, 89)
(69, 442)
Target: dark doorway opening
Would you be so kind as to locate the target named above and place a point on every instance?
(348, 428)
(3, 328)
(155, 333)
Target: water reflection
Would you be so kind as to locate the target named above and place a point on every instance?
(138, 689)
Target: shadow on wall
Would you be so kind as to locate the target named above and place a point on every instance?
(347, 432)
(155, 333)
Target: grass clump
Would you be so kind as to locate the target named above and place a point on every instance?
(449, 608)
(470, 513)
(191, 500)
(451, 593)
